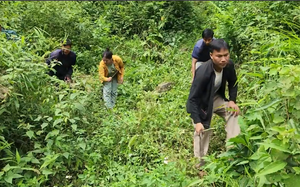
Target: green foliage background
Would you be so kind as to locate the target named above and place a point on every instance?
(56, 135)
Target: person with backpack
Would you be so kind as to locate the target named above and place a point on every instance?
(111, 73)
(64, 60)
(207, 96)
(201, 50)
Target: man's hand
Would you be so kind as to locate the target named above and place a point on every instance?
(68, 79)
(109, 79)
(234, 109)
(199, 128)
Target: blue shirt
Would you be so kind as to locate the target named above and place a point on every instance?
(201, 51)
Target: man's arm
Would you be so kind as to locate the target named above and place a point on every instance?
(194, 60)
(195, 57)
(53, 55)
(194, 97)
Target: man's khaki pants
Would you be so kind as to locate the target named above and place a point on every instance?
(201, 142)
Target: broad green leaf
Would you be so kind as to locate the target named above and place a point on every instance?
(238, 139)
(49, 159)
(82, 145)
(17, 105)
(293, 181)
(60, 97)
(275, 146)
(79, 106)
(74, 127)
(38, 118)
(57, 111)
(197, 182)
(73, 95)
(278, 119)
(44, 125)
(272, 168)
(131, 141)
(262, 122)
(18, 158)
(243, 162)
(66, 155)
(253, 116)
(256, 75)
(268, 105)
(262, 181)
(297, 170)
(10, 176)
(52, 133)
(35, 161)
(59, 120)
(256, 137)
(292, 124)
(30, 134)
(278, 155)
(8, 167)
(47, 172)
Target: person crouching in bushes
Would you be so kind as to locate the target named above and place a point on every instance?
(111, 72)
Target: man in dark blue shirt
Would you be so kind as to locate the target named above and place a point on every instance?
(201, 49)
(64, 60)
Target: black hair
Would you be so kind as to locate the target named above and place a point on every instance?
(217, 45)
(66, 42)
(107, 54)
(207, 33)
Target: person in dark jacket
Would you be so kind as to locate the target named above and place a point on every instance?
(64, 60)
(201, 50)
(207, 96)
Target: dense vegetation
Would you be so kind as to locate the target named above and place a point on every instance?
(54, 134)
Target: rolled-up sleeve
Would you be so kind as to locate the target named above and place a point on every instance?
(197, 49)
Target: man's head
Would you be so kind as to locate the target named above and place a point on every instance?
(207, 36)
(219, 53)
(107, 56)
(66, 46)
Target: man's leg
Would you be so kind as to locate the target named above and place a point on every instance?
(232, 127)
(201, 144)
